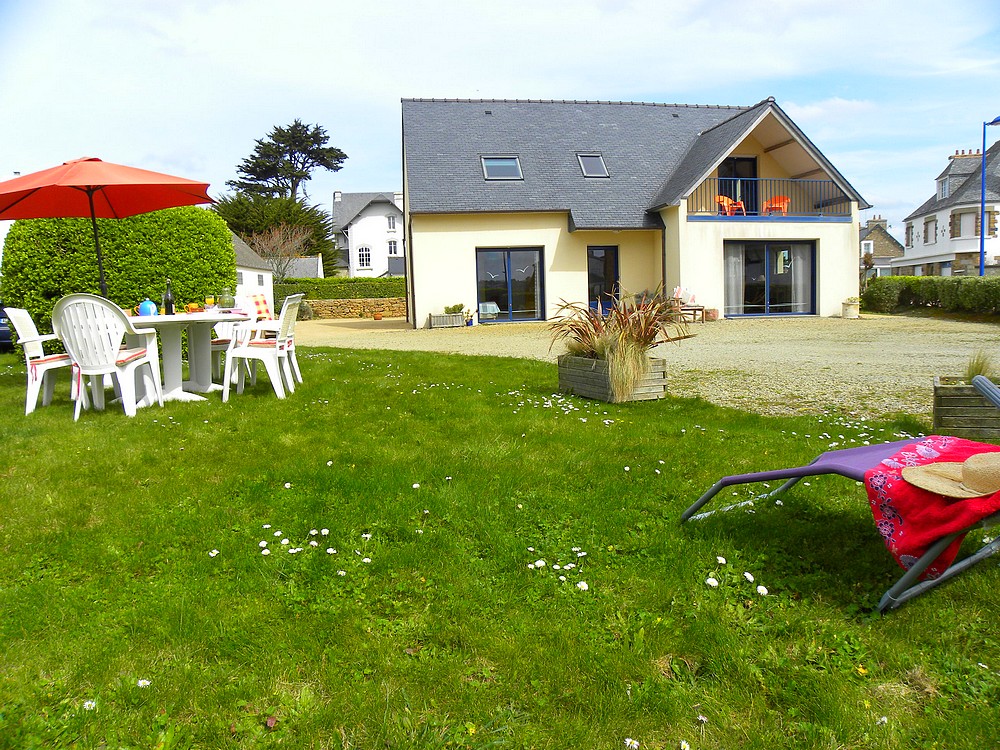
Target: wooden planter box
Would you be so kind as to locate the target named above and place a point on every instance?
(583, 376)
(448, 320)
(960, 410)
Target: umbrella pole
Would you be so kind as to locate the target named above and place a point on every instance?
(97, 244)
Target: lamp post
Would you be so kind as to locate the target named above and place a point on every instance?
(982, 202)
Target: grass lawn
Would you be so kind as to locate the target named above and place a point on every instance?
(471, 561)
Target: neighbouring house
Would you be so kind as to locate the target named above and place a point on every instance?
(512, 207)
(307, 267)
(942, 236)
(368, 227)
(253, 274)
(875, 239)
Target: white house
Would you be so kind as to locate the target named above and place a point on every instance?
(369, 228)
(513, 206)
(942, 236)
(253, 275)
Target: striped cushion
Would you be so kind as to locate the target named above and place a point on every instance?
(51, 358)
(129, 355)
(220, 342)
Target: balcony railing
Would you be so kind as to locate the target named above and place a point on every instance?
(766, 197)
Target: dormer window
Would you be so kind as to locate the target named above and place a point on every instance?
(942, 191)
(502, 168)
(592, 165)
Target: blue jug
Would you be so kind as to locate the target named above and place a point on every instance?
(148, 307)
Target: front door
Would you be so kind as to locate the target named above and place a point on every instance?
(509, 284)
(770, 278)
(602, 276)
(738, 180)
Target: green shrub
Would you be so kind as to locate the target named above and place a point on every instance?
(341, 288)
(45, 259)
(971, 294)
(882, 294)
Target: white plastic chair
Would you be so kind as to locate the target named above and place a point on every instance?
(41, 366)
(273, 352)
(93, 329)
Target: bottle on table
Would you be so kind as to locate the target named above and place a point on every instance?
(168, 300)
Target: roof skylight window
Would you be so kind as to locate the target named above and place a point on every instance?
(592, 165)
(502, 168)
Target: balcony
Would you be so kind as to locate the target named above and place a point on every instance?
(769, 199)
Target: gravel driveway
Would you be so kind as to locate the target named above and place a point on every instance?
(867, 367)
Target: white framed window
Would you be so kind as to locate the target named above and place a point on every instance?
(930, 231)
(592, 165)
(502, 168)
(967, 224)
(942, 188)
(867, 246)
(239, 277)
(393, 247)
(391, 221)
(260, 279)
(364, 257)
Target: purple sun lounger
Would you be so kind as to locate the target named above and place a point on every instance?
(850, 462)
(853, 463)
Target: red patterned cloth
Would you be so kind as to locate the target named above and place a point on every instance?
(911, 519)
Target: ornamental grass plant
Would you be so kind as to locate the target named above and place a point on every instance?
(623, 336)
(420, 550)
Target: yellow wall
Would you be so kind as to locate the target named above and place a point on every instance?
(767, 167)
(442, 252)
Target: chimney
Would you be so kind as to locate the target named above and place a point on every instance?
(877, 221)
(337, 196)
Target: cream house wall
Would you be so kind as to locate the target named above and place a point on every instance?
(698, 249)
(443, 257)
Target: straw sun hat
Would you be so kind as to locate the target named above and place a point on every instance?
(977, 476)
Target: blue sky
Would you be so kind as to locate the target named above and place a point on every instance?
(187, 86)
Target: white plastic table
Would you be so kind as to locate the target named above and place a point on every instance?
(199, 328)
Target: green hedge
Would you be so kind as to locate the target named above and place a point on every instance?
(45, 259)
(972, 294)
(342, 288)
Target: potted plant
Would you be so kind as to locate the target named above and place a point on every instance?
(851, 308)
(959, 409)
(608, 355)
(453, 316)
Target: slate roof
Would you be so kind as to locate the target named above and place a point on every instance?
(350, 205)
(965, 183)
(308, 267)
(655, 154)
(247, 258)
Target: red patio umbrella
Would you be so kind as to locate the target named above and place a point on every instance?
(98, 189)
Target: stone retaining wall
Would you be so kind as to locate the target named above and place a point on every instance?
(390, 307)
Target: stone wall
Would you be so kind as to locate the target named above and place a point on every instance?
(390, 307)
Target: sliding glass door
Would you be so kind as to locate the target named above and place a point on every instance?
(770, 278)
(602, 276)
(509, 283)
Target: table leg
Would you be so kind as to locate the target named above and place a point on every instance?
(170, 349)
(200, 358)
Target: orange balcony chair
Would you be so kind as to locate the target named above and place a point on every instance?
(777, 204)
(728, 206)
